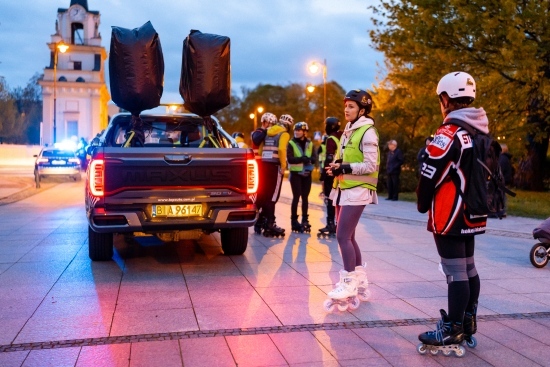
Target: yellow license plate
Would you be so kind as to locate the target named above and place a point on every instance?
(177, 211)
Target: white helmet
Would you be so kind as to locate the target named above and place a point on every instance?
(270, 118)
(457, 84)
(286, 120)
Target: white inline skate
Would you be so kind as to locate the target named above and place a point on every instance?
(344, 296)
(363, 293)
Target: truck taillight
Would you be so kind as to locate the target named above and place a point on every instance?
(97, 177)
(251, 176)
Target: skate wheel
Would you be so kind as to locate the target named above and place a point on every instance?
(421, 348)
(446, 352)
(434, 351)
(471, 342)
(342, 307)
(328, 305)
(460, 352)
(354, 304)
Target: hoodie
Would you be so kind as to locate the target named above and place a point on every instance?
(445, 175)
(283, 142)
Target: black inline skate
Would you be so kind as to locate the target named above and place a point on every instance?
(296, 226)
(447, 337)
(470, 327)
(305, 224)
(272, 230)
(260, 225)
(328, 231)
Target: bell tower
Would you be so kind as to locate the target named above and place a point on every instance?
(74, 92)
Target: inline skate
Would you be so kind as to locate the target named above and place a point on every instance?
(328, 231)
(272, 230)
(260, 225)
(447, 337)
(344, 296)
(296, 226)
(305, 224)
(470, 327)
(363, 293)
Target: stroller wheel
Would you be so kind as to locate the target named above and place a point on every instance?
(539, 255)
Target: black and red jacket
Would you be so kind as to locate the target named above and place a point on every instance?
(444, 177)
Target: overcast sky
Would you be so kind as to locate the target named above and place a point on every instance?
(272, 41)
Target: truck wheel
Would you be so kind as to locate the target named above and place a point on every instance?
(100, 245)
(234, 240)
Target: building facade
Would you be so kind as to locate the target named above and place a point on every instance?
(74, 92)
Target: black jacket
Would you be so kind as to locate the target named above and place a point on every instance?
(395, 160)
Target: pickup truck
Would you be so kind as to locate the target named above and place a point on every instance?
(187, 178)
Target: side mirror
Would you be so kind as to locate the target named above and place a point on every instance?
(35, 155)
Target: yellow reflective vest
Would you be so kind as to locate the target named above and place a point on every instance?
(297, 150)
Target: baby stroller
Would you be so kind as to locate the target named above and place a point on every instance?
(540, 253)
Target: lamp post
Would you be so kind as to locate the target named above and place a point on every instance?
(314, 68)
(309, 89)
(59, 47)
(254, 116)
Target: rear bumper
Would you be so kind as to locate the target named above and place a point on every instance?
(58, 171)
(121, 221)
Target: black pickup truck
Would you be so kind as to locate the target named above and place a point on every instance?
(188, 177)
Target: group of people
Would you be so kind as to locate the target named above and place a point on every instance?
(350, 160)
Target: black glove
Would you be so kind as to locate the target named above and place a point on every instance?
(306, 160)
(343, 169)
(338, 161)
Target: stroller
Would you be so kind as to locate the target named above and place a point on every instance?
(540, 252)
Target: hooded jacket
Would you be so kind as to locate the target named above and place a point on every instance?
(445, 174)
(369, 146)
(283, 142)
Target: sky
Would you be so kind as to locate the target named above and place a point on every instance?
(272, 41)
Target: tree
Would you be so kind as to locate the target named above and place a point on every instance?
(8, 113)
(504, 44)
(29, 110)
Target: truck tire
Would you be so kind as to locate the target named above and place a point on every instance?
(234, 240)
(100, 245)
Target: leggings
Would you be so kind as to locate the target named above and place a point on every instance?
(301, 187)
(347, 217)
(464, 286)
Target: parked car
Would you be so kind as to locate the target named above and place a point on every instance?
(56, 162)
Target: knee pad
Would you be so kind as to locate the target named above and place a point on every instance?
(471, 267)
(455, 270)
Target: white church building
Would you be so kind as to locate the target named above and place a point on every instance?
(74, 92)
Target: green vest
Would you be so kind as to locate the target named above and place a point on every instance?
(297, 150)
(323, 154)
(353, 154)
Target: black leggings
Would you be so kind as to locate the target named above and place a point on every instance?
(347, 217)
(301, 187)
(463, 293)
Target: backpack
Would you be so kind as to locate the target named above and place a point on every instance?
(485, 193)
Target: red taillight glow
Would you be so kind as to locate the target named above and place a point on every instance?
(97, 177)
(251, 176)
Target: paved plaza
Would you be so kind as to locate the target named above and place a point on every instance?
(187, 304)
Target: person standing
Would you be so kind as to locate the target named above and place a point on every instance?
(445, 174)
(301, 160)
(239, 138)
(356, 177)
(258, 136)
(393, 170)
(332, 129)
(505, 162)
(273, 153)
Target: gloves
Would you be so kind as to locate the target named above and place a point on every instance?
(306, 160)
(343, 169)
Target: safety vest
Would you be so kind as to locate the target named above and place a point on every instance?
(270, 150)
(323, 154)
(297, 150)
(353, 154)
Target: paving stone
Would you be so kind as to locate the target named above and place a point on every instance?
(255, 350)
(206, 352)
(112, 355)
(162, 353)
(65, 357)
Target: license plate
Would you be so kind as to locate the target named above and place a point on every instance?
(59, 162)
(177, 211)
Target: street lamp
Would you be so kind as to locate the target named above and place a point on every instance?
(254, 116)
(59, 47)
(314, 68)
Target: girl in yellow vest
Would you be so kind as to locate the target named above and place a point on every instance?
(356, 177)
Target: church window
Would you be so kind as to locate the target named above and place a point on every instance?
(77, 33)
(77, 65)
(80, 79)
(62, 79)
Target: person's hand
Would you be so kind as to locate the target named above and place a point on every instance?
(332, 169)
(306, 160)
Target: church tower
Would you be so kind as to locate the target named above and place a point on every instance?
(74, 92)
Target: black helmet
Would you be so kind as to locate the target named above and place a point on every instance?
(237, 133)
(301, 126)
(332, 124)
(362, 98)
